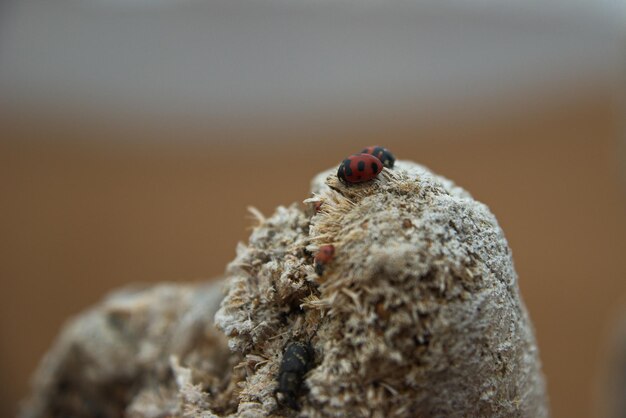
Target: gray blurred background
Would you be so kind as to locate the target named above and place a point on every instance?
(278, 58)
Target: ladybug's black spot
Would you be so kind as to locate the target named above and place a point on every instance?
(361, 166)
(374, 168)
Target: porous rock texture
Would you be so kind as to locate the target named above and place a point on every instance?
(417, 315)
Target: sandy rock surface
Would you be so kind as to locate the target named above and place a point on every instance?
(417, 314)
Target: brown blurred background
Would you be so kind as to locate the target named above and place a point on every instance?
(93, 197)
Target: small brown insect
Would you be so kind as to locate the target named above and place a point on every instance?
(324, 256)
(297, 361)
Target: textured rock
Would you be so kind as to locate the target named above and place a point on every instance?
(418, 314)
(117, 357)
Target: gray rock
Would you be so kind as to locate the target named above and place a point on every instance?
(417, 314)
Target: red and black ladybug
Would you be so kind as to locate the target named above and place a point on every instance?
(359, 168)
(382, 154)
(324, 255)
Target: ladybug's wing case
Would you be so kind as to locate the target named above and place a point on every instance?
(376, 167)
(383, 154)
(379, 152)
(359, 168)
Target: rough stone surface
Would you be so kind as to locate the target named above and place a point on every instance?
(418, 314)
(119, 358)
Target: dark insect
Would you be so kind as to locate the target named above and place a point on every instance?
(324, 255)
(359, 168)
(297, 361)
(382, 154)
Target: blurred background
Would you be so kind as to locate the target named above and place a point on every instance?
(134, 134)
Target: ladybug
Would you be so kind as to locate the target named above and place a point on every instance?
(382, 154)
(359, 168)
(324, 256)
